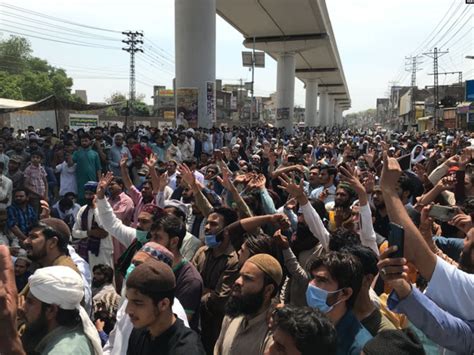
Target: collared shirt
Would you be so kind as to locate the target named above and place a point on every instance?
(241, 335)
(452, 289)
(24, 219)
(137, 199)
(67, 178)
(177, 339)
(443, 328)
(35, 177)
(351, 335)
(62, 339)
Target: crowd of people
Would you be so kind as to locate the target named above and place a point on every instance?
(236, 241)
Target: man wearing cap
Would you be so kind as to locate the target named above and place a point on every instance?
(14, 172)
(95, 244)
(150, 294)
(56, 322)
(244, 328)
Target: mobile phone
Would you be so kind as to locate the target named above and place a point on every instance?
(404, 162)
(442, 213)
(396, 237)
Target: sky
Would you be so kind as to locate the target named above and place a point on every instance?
(373, 39)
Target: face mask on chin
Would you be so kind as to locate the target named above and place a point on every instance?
(211, 241)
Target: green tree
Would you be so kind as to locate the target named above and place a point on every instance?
(137, 108)
(24, 77)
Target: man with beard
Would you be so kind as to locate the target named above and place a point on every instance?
(327, 174)
(345, 196)
(139, 198)
(47, 245)
(381, 223)
(95, 244)
(245, 328)
(14, 172)
(55, 320)
(88, 167)
(218, 264)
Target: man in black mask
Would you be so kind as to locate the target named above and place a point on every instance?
(95, 244)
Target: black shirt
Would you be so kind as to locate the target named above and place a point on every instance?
(189, 290)
(176, 340)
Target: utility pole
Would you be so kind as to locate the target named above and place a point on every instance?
(412, 66)
(451, 72)
(435, 54)
(134, 39)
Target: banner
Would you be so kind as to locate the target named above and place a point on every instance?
(187, 107)
(283, 113)
(84, 121)
(211, 101)
(166, 92)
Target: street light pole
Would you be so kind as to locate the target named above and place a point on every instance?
(253, 73)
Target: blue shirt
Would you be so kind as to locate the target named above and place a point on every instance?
(439, 325)
(351, 335)
(24, 219)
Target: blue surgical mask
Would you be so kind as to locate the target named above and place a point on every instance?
(142, 236)
(210, 240)
(317, 298)
(129, 270)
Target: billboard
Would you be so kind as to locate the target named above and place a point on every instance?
(166, 93)
(187, 107)
(84, 121)
(211, 101)
(469, 90)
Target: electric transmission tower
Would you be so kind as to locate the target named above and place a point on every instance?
(134, 40)
(435, 54)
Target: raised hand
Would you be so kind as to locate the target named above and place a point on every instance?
(349, 176)
(104, 182)
(151, 161)
(394, 272)
(123, 161)
(280, 240)
(187, 175)
(163, 181)
(258, 182)
(463, 222)
(290, 186)
(8, 304)
(45, 210)
(391, 173)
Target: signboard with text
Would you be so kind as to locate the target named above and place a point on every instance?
(84, 121)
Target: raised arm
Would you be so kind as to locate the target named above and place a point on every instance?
(416, 250)
(201, 201)
(124, 172)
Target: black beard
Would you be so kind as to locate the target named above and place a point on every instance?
(304, 239)
(465, 263)
(39, 255)
(344, 204)
(34, 333)
(244, 305)
(97, 284)
(187, 199)
(89, 202)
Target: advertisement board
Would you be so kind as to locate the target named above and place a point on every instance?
(187, 107)
(84, 121)
(211, 101)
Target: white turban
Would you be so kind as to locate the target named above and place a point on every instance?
(62, 286)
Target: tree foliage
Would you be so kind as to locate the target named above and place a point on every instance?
(28, 78)
(137, 108)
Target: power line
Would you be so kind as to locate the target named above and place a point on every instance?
(460, 18)
(39, 14)
(434, 29)
(454, 35)
(48, 24)
(60, 41)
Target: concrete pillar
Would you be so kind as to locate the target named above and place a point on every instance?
(195, 51)
(285, 91)
(330, 116)
(323, 108)
(311, 113)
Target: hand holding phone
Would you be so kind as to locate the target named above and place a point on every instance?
(396, 237)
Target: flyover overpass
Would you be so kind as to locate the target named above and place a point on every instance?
(296, 33)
